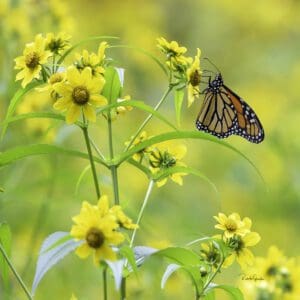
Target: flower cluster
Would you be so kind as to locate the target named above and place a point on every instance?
(272, 277)
(34, 62)
(98, 227)
(238, 236)
(184, 70)
(160, 157)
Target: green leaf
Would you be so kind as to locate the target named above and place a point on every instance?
(140, 105)
(20, 152)
(151, 56)
(210, 296)
(180, 255)
(112, 87)
(5, 240)
(128, 253)
(14, 102)
(55, 247)
(234, 292)
(81, 176)
(179, 94)
(89, 39)
(180, 169)
(181, 135)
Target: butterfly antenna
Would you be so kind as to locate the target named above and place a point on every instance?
(206, 58)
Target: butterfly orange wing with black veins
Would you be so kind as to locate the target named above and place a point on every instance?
(224, 113)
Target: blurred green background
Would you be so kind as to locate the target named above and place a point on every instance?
(254, 43)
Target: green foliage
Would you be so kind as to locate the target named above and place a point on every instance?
(5, 241)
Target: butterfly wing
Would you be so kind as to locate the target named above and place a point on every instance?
(217, 115)
(248, 124)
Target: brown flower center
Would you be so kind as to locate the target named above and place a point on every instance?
(95, 238)
(195, 78)
(231, 225)
(32, 60)
(80, 95)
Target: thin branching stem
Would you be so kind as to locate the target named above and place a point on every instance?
(141, 213)
(18, 277)
(89, 149)
(160, 102)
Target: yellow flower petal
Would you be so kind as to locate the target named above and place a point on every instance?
(251, 239)
(89, 113)
(73, 113)
(83, 251)
(98, 100)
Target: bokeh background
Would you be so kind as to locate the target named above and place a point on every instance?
(254, 43)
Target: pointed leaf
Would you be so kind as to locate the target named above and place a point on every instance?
(50, 256)
(143, 252)
(234, 292)
(112, 87)
(179, 94)
(180, 255)
(128, 253)
(5, 240)
(168, 272)
(117, 270)
(20, 152)
(181, 135)
(14, 102)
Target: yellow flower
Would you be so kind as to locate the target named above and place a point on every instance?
(121, 218)
(79, 93)
(193, 74)
(34, 56)
(52, 81)
(97, 228)
(141, 138)
(167, 155)
(120, 110)
(57, 43)
(288, 284)
(92, 60)
(239, 246)
(233, 225)
(172, 49)
(269, 266)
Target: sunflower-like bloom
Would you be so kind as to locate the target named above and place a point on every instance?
(34, 57)
(138, 156)
(98, 229)
(171, 49)
(193, 74)
(233, 225)
(164, 156)
(57, 43)
(80, 92)
(239, 246)
(121, 218)
(52, 81)
(92, 60)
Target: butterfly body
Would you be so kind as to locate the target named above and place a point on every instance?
(224, 113)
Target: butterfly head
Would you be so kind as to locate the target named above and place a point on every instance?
(214, 85)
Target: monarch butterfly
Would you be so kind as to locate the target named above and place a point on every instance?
(224, 113)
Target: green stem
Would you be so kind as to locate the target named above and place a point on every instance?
(213, 276)
(149, 190)
(88, 146)
(15, 273)
(113, 168)
(160, 102)
(105, 283)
